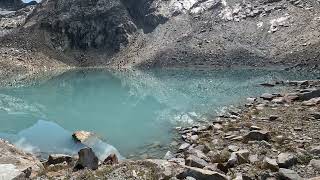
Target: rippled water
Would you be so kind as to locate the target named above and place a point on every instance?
(127, 110)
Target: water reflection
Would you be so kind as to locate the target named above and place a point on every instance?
(128, 109)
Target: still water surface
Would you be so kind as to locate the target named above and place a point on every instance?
(127, 110)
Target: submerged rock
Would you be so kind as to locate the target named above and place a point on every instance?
(87, 159)
(82, 136)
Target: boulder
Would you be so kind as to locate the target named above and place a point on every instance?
(202, 174)
(311, 102)
(273, 117)
(58, 158)
(233, 148)
(315, 150)
(279, 100)
(112, 159)
(25, 174)
(315, 163)
(82, 136)
(87, 159)
(195, 161)
(168, 155)
(267, 96)
(288, 174)
(184, 147)
(257, 136)
(254, 128)
(253, 158)
(316, 115)
(219, 156)
(238, 157)
(198, 153)
(271, 164)
(309, 94)
(286, 160)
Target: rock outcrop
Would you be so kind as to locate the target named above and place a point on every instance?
(16, 163)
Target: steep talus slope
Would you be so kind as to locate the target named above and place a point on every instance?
(165, 33)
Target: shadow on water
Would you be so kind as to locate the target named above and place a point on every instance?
(127, 109)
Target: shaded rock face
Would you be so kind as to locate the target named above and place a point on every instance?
(11, 4)
(144, 14)
(85, 24)
(87, 159)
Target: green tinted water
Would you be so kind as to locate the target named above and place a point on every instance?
(127, 110)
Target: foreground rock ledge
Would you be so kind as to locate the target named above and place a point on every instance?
(16, 163)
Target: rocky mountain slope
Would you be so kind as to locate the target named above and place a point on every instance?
(159, 33)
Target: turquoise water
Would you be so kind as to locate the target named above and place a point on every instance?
(127, 110)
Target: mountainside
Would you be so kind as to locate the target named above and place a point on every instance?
(160, 33)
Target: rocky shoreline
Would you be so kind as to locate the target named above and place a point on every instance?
(274, 136)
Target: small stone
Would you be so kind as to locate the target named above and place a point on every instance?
(279, 100)
(194, 137)
(199, 154)
(288, 174)
(297, 129)
(58, 158)
(219, 156)
(238, 157)
(254, 128)
(87, 159)
(316, 115)
(267, 84)
(112, 159)
(310, 94)
(265, 144)
(273, 117)
(286, 160)
(202, 174)
(184, 147)
(174, 143)
(315, 163)
(315, 150)
(251, 100)
(233, 148)
(217, 126)
(271, 164)
(168, 155)
(253, 158)
(257, 136)
(237, 138)
(267, 96)
(233, 160)
(195, 161)
(279, 139)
